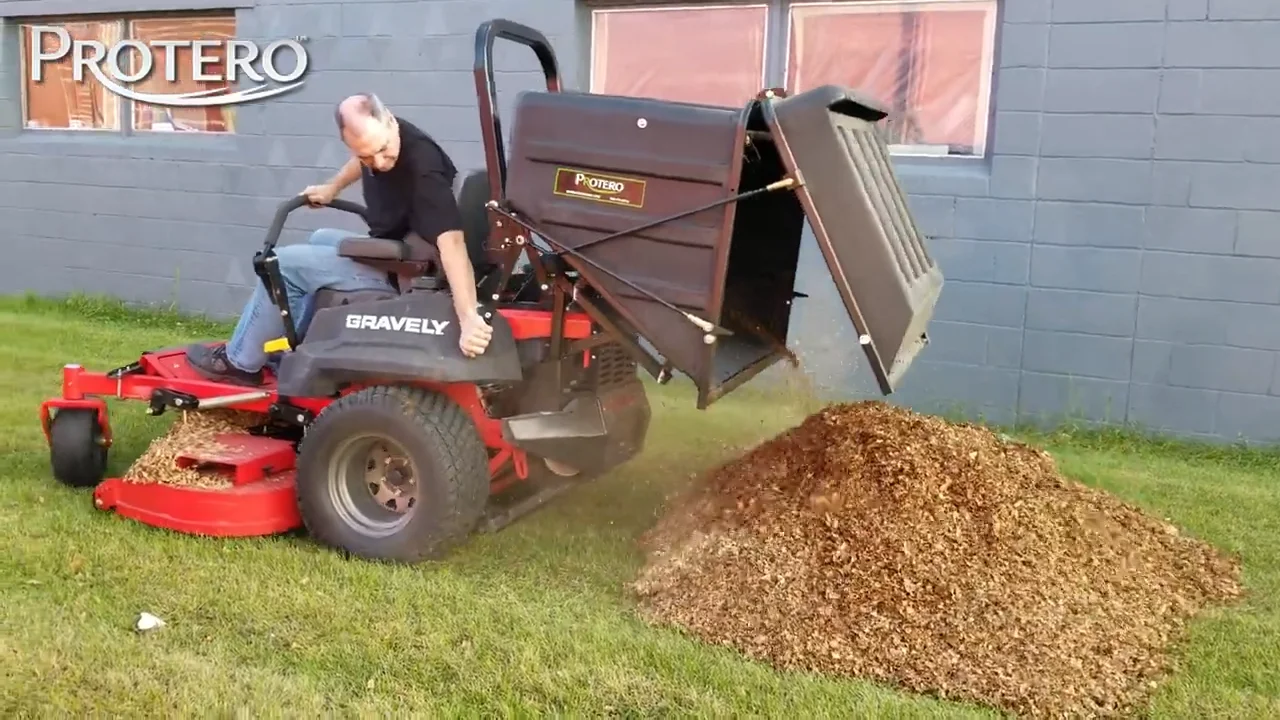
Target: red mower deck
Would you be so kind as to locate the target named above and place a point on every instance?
(264, 507)
(260, 500)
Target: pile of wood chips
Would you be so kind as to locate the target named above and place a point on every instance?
(191, 432)
(878, 543)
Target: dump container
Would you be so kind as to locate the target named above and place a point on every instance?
(583, 166)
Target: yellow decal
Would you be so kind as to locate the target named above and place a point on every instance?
(597, 187)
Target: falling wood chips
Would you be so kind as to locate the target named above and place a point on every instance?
(875, 542)
(191, 432)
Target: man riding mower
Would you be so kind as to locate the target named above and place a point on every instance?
(654, 235)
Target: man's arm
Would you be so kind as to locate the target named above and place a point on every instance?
(435, 214)
(458, 270)
(324, 194)
(349, 173)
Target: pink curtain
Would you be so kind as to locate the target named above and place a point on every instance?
(712, 56)
(925, 65)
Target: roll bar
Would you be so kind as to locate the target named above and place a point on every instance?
(487, 93)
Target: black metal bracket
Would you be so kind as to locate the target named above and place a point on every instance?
(283, 411)
(499, 517)
(616, 333)
(706, 326)
(132, 368)
(163, 398)
(266, 265)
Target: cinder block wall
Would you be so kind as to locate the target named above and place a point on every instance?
(1116, 258)
(168, 218)
(1119, 257)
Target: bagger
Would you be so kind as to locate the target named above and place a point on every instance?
(656, 235)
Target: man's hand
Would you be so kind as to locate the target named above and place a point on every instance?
(318, 195)
(476, 334)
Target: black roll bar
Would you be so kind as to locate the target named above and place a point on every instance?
(487, 93)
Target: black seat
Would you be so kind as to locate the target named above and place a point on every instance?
(372, 248)
(367, 248)
(414, 257)
(403, 260)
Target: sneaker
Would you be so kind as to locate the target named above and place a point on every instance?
(212, 364)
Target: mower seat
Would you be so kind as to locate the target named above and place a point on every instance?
(373, 249)
(409, 258)
(414, 257)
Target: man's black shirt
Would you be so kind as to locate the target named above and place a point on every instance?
(416, 194)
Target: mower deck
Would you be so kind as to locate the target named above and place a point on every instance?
(266, 507)
(260, 498)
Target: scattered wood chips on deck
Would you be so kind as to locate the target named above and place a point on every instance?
(878, 543)
(191, 432)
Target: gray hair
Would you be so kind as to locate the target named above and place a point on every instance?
(366, 105)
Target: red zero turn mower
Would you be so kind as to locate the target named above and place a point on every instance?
(674, 224)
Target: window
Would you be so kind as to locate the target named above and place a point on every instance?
(709, 55)
(929, 62)
(58, 101)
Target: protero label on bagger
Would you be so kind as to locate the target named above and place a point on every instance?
(600, 187)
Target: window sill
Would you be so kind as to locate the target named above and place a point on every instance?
(923, 162)
(934, 151)
(52, 8)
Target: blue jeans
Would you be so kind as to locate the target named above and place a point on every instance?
(306, 269)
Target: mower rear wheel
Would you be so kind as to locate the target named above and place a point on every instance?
(392, 473)
(77, 448)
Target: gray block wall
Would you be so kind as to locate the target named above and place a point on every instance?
(1115, 258)
(1118, 258)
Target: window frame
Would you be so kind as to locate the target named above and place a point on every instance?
(125, 107)
(776, 65)
(986, 81)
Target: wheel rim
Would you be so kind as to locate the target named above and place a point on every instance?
(373, 485)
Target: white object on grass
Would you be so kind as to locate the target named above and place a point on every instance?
(147, 621)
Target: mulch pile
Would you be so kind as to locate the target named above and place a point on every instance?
(192, 432)
(878, 543)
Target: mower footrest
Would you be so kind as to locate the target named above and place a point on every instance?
(243, 458)
(266, 507)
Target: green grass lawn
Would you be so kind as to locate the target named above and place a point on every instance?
(533, 620)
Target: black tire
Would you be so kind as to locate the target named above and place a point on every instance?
(450, 464)
(76, 449)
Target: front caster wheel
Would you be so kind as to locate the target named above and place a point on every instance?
(392, 473)
(77, 448)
